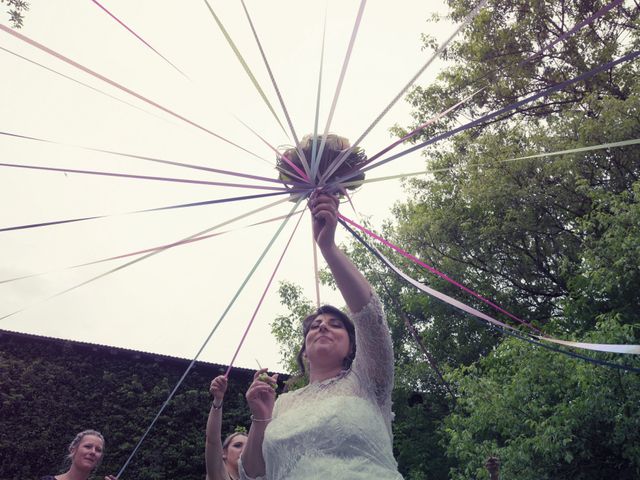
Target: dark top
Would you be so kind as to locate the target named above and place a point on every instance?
(48, 477)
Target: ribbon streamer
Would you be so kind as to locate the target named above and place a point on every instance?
(262, 297)
(436, 272)
(315, 162)
(600, 347)
(157, 209)
(150, 159)
(562, 37)
(82, 83)
(339, 160)
(499, 325)
(508, 108)
(244, 65)
(301, 154)
(601, 146)
(316, 269)
(578, 26)
(155, 252)
(408, 324)
(575, 28)
(140, 177)
(413, 133)
(213, 330)
(301, 175)
(343, 72)
(147, 250)
(119, 86)
(396, 304)
(138, 37)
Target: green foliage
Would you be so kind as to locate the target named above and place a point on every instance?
(606, 284)
(419, 404)
(50, 390)
(553, 240)
(545, 415)
(491, 53)
(287, 329)
(513, 230)
(16, 11)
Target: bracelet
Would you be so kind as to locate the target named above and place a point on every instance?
(253, 419)
(213, 405)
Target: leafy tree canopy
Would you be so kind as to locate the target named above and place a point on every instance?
(16, 11)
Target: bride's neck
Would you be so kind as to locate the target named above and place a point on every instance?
(320, 374)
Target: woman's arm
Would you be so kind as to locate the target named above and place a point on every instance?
(213, 445)
(374, 352)
(354, 287)
(261, 396)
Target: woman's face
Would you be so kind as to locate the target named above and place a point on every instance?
(327, 340)
(234, 449)
(87, 455)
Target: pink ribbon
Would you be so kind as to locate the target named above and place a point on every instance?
(435, 271)
(118, 86)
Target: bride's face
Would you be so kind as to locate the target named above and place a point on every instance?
(327, 340)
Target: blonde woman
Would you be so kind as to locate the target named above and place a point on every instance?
(221, 458)
(85, 454)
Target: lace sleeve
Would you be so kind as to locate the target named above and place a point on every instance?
(374, 352)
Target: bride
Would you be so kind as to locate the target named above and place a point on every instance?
(338, 426)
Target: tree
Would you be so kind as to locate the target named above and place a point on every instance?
(287, 329)
(499, 53)
(553, 240)
(511, 229)
(547, 416)
(16, 11)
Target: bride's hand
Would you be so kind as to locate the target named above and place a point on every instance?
(261, 394)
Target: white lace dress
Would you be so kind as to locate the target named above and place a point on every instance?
(339, 428)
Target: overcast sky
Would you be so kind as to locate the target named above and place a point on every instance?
(170, 302)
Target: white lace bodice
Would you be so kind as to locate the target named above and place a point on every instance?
(339, 428)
